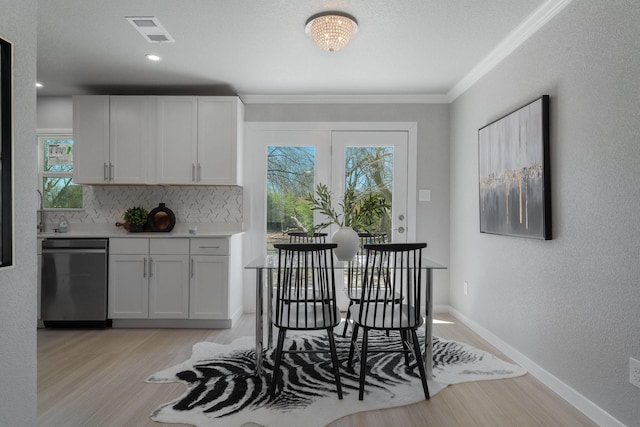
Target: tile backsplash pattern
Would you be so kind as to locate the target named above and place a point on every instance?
(190, 204)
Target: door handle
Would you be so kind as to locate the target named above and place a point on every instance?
(144, 268)
(199, 172)
(150, 267)
(192, 268)
(193, 172)
(111, 172)
(399, 230)
(105, 172)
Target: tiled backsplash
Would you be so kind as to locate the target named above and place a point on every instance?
(190, 204)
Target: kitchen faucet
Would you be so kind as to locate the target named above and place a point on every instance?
(41, 224)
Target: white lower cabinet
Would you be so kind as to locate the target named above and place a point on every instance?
(175, 278)
(148, 278)
(209, 291)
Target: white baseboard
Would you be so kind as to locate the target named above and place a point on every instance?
(584, 405)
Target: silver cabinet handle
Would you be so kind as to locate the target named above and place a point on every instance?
(199, 172)
(150, 267)
(193, 172)
(144, 269)
(111, 174)
(209, 247)
(105, 172)
(192, 268)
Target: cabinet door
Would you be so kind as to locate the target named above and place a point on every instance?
(128, 140)
(169, 287)
(209, 292)
(128, 287)
(219, 140)
(90, 139)
(177, 140)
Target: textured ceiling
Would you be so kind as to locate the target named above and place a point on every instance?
(259, 47)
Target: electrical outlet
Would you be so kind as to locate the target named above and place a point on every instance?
(634, 372)
(466, 288)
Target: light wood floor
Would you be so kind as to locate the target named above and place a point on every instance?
(96, 378)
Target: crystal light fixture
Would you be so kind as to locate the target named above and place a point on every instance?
(331, 30)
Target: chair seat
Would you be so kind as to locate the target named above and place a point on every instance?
(315, 315)
(401, 316)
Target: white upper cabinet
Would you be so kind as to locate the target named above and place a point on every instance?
(220, 122)
(181, 140)
(177, 141)
(91, 139)
(128, 140)
(110, 136)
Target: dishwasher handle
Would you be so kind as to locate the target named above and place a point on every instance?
(73, 251)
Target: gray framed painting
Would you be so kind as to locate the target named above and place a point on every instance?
(513, 165)
(6, 156)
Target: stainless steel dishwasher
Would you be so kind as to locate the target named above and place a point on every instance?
(74, 282)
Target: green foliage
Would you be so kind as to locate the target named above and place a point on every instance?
(61, 193)
(360, 211)
(136, 216)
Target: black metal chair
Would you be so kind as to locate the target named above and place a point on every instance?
(390, 301)
(305, 299)
(302, 237)
(355, 270)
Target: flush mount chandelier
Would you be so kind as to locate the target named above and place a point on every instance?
(331, 30)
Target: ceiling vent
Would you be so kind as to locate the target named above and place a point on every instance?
(150, 28)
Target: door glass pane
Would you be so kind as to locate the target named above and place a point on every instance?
(369, 170)
(290, 176)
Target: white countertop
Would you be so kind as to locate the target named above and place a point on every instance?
(104, 230)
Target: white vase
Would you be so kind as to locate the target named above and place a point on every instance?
(348, 243)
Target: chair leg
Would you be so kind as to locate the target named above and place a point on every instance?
(405, 339)
(418, 353)
(346, 320)
(278, 360)
(336, 365)
(363, 361)
(354, 337)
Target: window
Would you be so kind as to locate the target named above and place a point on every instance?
(56, 173)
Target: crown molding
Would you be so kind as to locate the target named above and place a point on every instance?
(344, 99)
(514, 39)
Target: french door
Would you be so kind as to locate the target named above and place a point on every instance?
(365, 161)
(325, 149)
(373, 161)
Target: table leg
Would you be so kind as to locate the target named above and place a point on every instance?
(428, 326)
(259, 320)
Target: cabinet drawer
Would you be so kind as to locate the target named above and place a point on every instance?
(126, 246)
(210, 246)
(164, 246)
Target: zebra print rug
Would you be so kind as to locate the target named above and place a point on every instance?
(223, 391)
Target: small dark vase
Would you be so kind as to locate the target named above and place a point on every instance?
(162, 219)
(135, 228)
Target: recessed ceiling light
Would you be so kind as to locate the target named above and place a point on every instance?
(38, 84)
(152, 57)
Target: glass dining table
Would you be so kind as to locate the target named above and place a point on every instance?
(265, 267)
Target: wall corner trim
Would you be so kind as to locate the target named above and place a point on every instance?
(514, 39)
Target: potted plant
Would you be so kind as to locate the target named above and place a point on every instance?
(360, 212)
(136, 217)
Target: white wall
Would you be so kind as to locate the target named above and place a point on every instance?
(18, 284)
(55, 112)
(572, 304)
(432, 164)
